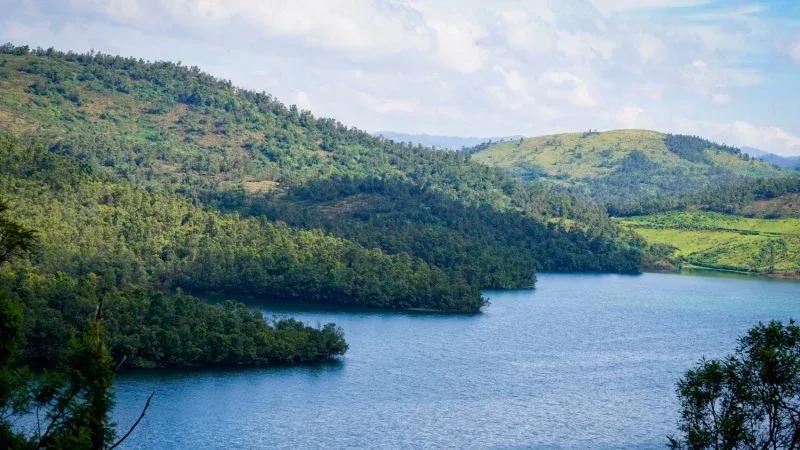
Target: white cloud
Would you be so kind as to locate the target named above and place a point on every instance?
(650, 91)
(795, 51)
(515, 81)
(457, 66)
(610, 6)
(303, 102)
(705, 79)
(456, 44)
(721, 99)
(584, 45)
(567, 87)
(390, 106)
(652, 49)
(772, 139)
(528, 32)
(628, 117)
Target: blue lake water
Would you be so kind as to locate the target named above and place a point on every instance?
(583, 361)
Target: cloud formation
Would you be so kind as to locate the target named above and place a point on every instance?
(466, 67)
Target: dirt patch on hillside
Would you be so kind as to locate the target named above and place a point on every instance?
(783, 206)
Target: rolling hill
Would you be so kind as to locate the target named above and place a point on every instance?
(696, 202)
(371, 222)
(624, 165)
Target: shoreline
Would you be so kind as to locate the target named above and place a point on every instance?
(686, 266)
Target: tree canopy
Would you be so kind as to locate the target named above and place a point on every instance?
(748, 400)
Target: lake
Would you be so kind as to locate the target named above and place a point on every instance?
(582, 361)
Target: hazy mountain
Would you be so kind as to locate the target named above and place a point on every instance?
(782, 161)
(442, 142)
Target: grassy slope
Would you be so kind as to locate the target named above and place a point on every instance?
(765, 246)
(569, 156)
(573, 156)
(575, 160)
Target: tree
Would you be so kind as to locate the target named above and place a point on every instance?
(75, 399)
(750, 399)
(15, 239)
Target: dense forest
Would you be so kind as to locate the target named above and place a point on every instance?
(497, 249)
(735, 198)
(149, 237)
(416, 228)
(148, 328)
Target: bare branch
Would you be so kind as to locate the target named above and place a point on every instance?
(141, 416)
(122, 361)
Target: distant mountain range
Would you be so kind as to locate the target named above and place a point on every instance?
(782, 161)
(442, 142)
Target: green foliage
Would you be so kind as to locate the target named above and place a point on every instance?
(147, 328)
(75, 399)
(181, 132)
(694, 148)
(625, 166)
(736, 198)
(71, 403)
(138, 237)
(151, 329)
(15, 239)
(748, 400)
(722, 241)
(495, 249)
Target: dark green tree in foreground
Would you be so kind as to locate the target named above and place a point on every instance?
(71, 404)
(749, 400)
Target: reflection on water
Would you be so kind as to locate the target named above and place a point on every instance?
(711, 273)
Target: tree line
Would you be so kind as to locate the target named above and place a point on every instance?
(728, 199)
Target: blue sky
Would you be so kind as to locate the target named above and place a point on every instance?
(726, 70)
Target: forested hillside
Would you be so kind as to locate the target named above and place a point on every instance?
(625, 165)
(765, 198)
(151, 237)
(420, 228)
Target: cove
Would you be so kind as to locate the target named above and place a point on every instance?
(583, 361)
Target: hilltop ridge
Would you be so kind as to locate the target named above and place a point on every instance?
(441, 226)
(624, 165)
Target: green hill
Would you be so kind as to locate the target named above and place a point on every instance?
(624, 165)
(696, 202)
(404, 226)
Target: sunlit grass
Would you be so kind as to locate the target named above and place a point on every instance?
(726, 241)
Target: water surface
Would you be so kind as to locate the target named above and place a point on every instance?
(583, 361)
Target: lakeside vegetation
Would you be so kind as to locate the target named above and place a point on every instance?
(409, 226)
(44, 323)
(147, 328)
(749, 399)
(152, 238)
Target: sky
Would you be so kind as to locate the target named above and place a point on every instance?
(726, 70)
